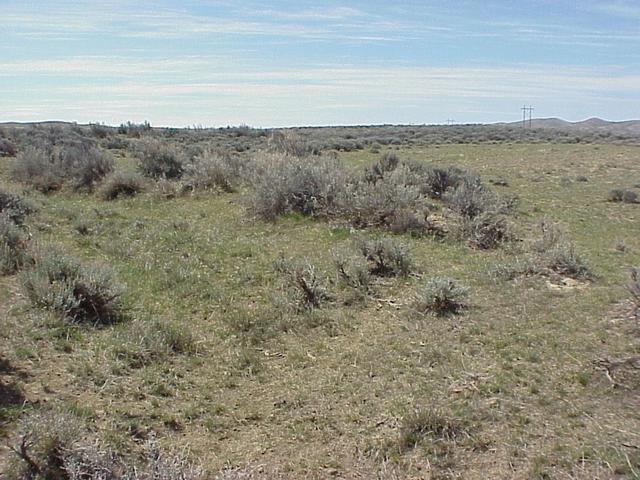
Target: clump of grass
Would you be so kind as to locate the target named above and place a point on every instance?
(256, 324)
(82, 226)
(622, 195)
(122, 184)
(144, 342)
(212, 171)
(441, 296)
(13, 246)
(79, 293)
(386, 257)
(432, 426)
(158, 159)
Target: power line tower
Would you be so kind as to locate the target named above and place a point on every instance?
(450, 121)
(526, 109)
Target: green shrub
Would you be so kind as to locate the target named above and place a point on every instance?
(442, 296)
(13, 246)
(386, 257)
(160, 160)
(122, 184)
(79, 293)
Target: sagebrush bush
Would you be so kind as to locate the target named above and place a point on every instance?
(15, 207)
(122, 184)
(7, 148)
(471, 199)
(288, 143)
(442, 296)
(434, 181)
(35, 166)
(623, 195)
(386, 257)
(353, 271)
(13, 246)
(158, 159)
(388, 162)
(48, 169)
(56, 445)
(306, 283)
(556, 253)
(284, 184)
(79, 293)
(386, 202)
(485, 231)
(211, 170)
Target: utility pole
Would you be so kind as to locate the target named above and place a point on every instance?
(450, 121)
(526, 109)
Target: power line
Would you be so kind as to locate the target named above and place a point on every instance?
(526, 109)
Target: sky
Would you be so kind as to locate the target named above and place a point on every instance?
(285, 63)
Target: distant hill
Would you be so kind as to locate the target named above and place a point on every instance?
(629, 127)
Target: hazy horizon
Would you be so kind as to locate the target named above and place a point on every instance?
(218, 63)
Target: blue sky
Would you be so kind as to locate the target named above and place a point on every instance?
(282, 63)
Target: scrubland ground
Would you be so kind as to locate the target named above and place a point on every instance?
(528, 381)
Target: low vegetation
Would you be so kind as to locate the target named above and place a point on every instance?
(378, 347)
(623, 195)
(441, 296)
(78, 292)
(49, 168)
(122, 184)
